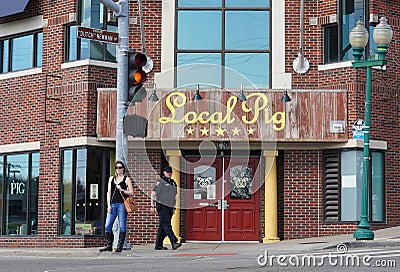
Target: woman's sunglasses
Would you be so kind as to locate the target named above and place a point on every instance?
(119, 167)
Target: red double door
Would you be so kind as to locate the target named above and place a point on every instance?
(222, 199)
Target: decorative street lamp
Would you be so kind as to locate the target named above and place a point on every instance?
(359, 38)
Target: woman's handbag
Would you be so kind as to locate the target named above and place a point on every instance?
(129, 203)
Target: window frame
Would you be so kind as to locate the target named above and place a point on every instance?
(326, 43)
(67, 32)
(28, 197)
(340, 50)
(223, 51)
(35, 50)
(102, 188)
(370, 193)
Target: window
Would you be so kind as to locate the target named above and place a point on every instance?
(19, 184)
(343, 175)
(331, 53)
(21, 52)
(92, 14)
(233, 34)
(84, 179)
(337, 45)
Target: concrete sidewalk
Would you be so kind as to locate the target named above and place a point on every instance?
(389, 237)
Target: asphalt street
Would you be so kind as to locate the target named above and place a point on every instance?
(333, 253)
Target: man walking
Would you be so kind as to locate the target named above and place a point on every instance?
(164, 195)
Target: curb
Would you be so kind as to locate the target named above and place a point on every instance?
(365, 243)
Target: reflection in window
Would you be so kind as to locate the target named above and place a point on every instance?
(231, 34)
(4, 56)
(84, 179)
(240, 182)
(257, 39)
(228, 3)
(66, 192)
(19, 188)
(1, 192)
(80, 202)
(351, 186)
(203, 3)
(72, 43)
(378, 192)
(39, 49)
(207, 69)
(352, 10)
(373, 49)
(246, 3)
(33, 192)
(331, 51)
(350, 193)
(254, 67)
(93, 15)
(204, 186)
(23, 52)
(202, 33)
(337, 45)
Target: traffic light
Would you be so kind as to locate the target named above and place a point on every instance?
(137, 74)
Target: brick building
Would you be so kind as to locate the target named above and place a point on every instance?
(259, 170)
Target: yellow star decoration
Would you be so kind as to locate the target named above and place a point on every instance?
(235, 131)
(204, 131)
(220, 131)
(250, 131)
(189, 131)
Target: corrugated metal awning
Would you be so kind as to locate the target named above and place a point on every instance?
(12, 7)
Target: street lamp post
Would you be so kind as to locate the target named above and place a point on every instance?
(359, 38)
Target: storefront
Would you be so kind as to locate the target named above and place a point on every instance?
(225, 154)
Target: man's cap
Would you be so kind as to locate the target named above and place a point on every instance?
(168, 169)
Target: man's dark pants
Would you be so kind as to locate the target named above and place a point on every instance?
(164, 228)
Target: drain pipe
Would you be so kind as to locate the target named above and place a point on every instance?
(142, 27)
(301, 64)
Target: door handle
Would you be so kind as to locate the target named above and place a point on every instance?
(212, 205)
(226, 204)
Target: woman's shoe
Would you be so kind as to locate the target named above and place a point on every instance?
(109, 242)
(160, 248)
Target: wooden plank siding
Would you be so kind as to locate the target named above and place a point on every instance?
(307, 117)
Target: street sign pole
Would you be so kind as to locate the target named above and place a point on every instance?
(120, 9)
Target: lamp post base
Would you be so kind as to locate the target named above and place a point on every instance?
(363, 234)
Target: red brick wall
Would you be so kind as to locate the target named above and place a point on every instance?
(144, 167)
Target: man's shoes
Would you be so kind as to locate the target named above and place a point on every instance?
(176, 245)
(160, 248)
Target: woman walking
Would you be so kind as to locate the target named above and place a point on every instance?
(118, 185)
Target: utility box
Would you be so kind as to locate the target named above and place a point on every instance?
(135, 125)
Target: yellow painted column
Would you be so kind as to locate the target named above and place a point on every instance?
(271, 197)
(174, 162)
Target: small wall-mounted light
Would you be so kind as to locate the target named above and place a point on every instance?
(153, 97)
(285, 98)
(242, 97)
(197, 96)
